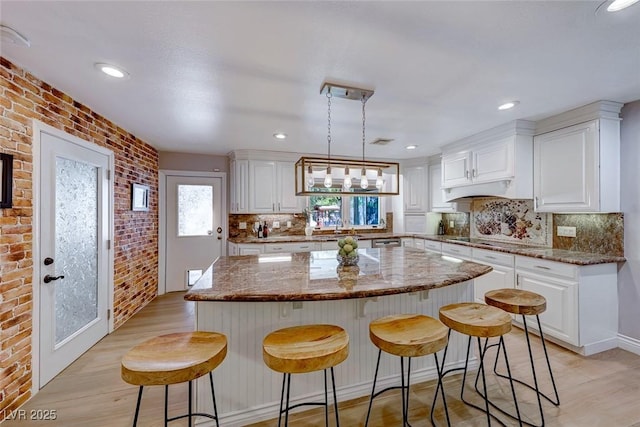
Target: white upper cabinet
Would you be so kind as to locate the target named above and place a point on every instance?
(415, 188)
(239, 185)
(286, 199)
(272, 187)
(497, 162)
(576, 168)
(436, 194)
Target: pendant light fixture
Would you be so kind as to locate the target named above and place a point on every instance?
(310, 171)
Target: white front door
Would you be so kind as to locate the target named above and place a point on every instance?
(74, 232)
(194, 228)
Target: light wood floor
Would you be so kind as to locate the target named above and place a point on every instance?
(601, 390)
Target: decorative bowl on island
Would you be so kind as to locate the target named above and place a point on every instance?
(348, 251)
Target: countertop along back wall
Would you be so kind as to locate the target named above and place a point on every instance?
(23, 97)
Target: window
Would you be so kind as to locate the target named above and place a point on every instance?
(345, 211)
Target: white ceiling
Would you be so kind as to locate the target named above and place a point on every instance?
(211, 77)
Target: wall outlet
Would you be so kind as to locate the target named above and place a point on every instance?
(242, 225)
(288, 224)
(276, 224)
(452, 224)
(566, 231)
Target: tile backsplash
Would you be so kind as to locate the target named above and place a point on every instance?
(507, 220)
(596, 233)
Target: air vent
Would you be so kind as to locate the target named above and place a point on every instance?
(381, 141)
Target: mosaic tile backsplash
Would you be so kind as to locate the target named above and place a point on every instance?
(512, 221)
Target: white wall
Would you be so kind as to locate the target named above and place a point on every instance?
(192, 162)
(629, 277)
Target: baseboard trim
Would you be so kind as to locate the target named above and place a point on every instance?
(630, 344)
(270, 411)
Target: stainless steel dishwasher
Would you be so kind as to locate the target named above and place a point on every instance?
(386, 243)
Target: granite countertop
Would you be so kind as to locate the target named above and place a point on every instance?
(314, 276)
(558, 255)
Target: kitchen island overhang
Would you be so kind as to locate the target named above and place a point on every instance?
(247, 297)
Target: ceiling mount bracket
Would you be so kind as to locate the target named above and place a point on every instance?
(344, 91)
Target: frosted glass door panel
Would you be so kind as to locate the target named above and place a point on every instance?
(76, 246)
(195, 210)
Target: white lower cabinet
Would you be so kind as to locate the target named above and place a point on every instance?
(408, 242)
(582, 302)
(271, 248)
(502, 276)
(457, 251)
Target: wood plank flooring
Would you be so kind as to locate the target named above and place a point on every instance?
(601, 390)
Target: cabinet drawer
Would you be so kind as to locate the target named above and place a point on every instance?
(547, 267)
(493, 257)
(456, 250)
(271, 248)
(432, 245)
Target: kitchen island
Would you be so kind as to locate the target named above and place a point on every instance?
(247, 297)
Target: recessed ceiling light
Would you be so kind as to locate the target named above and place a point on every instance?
(617, 5)
(112, 70)
(508, 105)
(12, 36)
(280, 135)
(411, 147)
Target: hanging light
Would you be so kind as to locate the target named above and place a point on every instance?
(330, 169)
(310, 181)
(328, 181)
(347, 183)
(379, 180)
(364, 183)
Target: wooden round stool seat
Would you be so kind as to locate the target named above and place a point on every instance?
(306, 348)
(517, 301)
(477, 320)
(408, 335)
(174, 358)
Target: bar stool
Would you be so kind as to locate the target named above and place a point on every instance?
(525, 303)
(407, 335)
(480, 321)
(303, 349)
(172, 359)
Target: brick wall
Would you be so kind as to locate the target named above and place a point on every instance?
(23, 98)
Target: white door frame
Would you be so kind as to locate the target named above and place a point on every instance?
(37, 128)
(162, 216)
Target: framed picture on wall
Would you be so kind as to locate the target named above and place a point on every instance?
(139, 197)
(6, 186)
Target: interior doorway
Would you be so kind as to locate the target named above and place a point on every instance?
(73, 264)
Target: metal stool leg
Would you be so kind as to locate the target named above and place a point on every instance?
(213, 396)
(166, 405)
(326, 400)
(335, 398)
(286, 415)
(439, 387)
(373, 389)
(546, 355)
(135, 417)
(284, 380)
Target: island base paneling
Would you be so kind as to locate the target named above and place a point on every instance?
(250, 392)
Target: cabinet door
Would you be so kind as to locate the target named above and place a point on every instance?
(436, 193)
(494, 162)
(561, 317)
(499, 278)
(414, 189)
(262, 185)
(240, 186)
(456, 169)
(565, 169)
(232, 249)
(250, 249)
(407, 242)
(287, 201)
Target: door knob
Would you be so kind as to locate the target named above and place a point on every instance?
(48, 261)
(49, 278)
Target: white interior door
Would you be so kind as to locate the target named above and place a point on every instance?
(194, 228)
(74, 232)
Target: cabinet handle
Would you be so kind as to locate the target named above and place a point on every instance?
(490, 257)
(535, 203)
(474, 173)
(542, 267)
(278, 206)
(273, 207)
(466, 174)
(517, 280)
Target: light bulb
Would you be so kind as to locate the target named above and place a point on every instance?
(379, 181)
(328, 181)
(364, 183)
(310, 181)
(347, 179)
